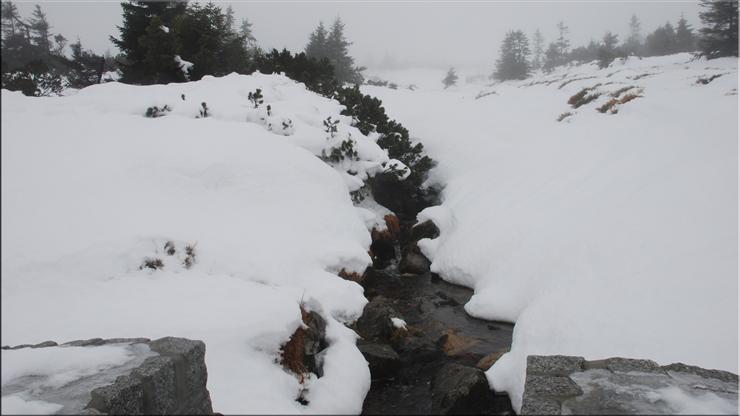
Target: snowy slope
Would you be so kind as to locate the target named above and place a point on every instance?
(600, 235)
(91, 189)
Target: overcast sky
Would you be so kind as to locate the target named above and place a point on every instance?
(411, 33)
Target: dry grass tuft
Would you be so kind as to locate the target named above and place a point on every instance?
(294, 350)
(564, 115)
(353, 276)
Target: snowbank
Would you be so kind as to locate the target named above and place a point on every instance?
(602, 235)
(92, 190)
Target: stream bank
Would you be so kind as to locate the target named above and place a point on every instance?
(426, 354)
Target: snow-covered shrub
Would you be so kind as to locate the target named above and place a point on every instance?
(256, 97)
(153, 263)
(583, 97)
(344, 151)
(189, 256)
(564, 115)
(204, 110)
(330, 126)
(154, 111)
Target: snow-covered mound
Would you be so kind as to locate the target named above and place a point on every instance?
(608, 233)
(213, 228)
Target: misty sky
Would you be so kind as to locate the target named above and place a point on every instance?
(407, 34)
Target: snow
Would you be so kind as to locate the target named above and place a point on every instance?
(15, 405)
(91, 189)
(398, 323)
(608, 235)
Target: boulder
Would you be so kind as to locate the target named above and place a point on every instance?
(382, 359)
(453, 343)
(458, 389)
(414, 263)
(375, 322)
(426, 229)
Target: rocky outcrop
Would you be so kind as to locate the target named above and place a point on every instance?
(571, 385)
(382, 359)
(172, 380)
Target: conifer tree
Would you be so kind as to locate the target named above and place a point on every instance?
(608, 49)
(719, 35)
(41, 29)
(316, 47)
(513, 61)
(662, 41)
(245, 31)
(450, 79)
(538, 51)
(633, 43)
(563, 42)
(337, 53)
(158, 64)
(137, 16)
(552, 57)
(685, 39)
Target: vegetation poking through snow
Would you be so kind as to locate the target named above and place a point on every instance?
(204, 111)
(153, 263)
(330, 126)
(154, 111)
(564, 115)
(344, 151)
(583, 97)
(706, 80)
(256, 98)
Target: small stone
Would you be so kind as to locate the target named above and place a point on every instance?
(454, 344)
(426, 229)
(375, 322)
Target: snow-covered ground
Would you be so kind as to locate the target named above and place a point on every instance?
(92, 189)
(603, 234)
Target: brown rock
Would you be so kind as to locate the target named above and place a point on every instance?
(453, 344)
(486, 362)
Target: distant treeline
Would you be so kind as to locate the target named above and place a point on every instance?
(717, 38)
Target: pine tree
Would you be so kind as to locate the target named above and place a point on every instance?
(60, 42)
(159, 65)
(137, 16)
(552, 57)
(608, 49)
(538, 52)
(87, 67)
(662, 41)
(245, 31)
(685, 39)
(41, 29)
(316, 47)
(563, 42)
(10, 15)
(450, 79)
(343, 63)
(513, 58)
(719, 35)
(633, 43)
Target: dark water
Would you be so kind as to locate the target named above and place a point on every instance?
(430, 307)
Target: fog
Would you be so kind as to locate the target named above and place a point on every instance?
(396, 34)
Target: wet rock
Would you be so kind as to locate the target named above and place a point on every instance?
(489, 360)
(414, 263)
(453, 343)
(445, 300)
(383, 360)
(460, 389)
(426, 229)
(375, 322)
